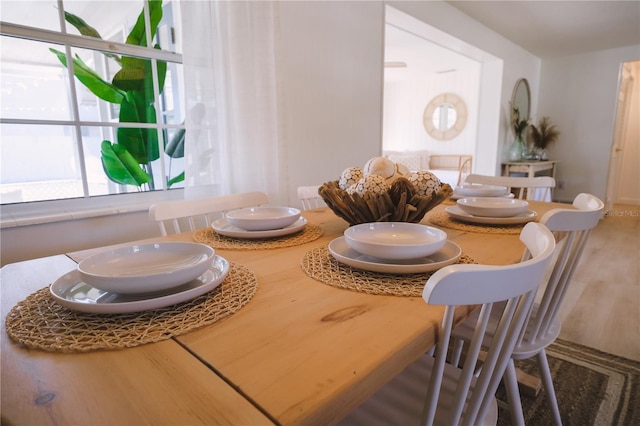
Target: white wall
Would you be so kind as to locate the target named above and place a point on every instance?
(404, 104)
(579, 94)
(39, 232)
(48, 238)
(331, 69)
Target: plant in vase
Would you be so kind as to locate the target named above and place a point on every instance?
(519, 126)
(542, 135)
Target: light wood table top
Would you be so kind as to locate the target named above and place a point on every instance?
(155, 384)
(300, 352)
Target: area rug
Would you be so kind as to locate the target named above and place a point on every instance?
(593, 388)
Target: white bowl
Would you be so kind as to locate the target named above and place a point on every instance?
(263, 218)
(146, 268)
(395, 240)
(479, 190)
(493, 206)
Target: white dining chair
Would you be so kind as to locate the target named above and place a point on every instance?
(189, 215)
(539, 188)
(432, 391)
(309, 197)
(571, 228)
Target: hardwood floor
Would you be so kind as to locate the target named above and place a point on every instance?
(602, 307)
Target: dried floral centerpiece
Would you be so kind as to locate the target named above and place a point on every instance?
(384, 191)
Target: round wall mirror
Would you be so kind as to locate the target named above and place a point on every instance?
(521, 98)
(445, 116)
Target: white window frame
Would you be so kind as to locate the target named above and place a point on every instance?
(35, 212)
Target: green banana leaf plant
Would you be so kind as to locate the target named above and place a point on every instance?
(128, 161)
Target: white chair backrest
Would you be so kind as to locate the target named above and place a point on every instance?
(189, 215)
(532, 188)
(571, 228)
(484, 285)
(309, 197)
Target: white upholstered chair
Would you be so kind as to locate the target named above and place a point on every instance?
(309, 197)
(571, 228)
(455, 395)
(451, 169)
(189, 215)
(537, 188)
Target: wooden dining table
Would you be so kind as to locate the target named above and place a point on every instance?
(299, 352)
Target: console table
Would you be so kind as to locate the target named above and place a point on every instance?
(530, 168)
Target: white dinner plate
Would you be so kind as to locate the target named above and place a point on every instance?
(457, 213)
(480, 190)
(341, 251)
(223, 227)
(457, 196)
(70, 291)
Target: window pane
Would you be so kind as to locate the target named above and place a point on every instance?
(32, 13)
(38, 163)
(93, 108)
(170, 30)
(174, 166)
(172, 100)
(90, 106)
(34, 83)
(142, 146)
(111, 19)
(97, 180)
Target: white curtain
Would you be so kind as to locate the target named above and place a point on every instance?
(233, 141)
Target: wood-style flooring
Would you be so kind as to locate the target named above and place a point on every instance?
(602, 308)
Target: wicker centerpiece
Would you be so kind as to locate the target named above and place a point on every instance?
(384, 192)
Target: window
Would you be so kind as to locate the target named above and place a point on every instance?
(54, 126)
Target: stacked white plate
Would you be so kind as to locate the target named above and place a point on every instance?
(394, 247)
(140, 277)
(491, 210)
(493, 206)
(263, 218)
(260, 222)
(480, 190)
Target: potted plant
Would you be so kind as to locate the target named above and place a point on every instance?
(128, 161)
(541, 136)
(519, 126)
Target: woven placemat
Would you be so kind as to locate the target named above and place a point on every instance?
(211, 238)
(444, 220)
(39, 322)
(320, 265)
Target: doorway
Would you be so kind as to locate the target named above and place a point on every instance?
(479, 85)
(623, 182)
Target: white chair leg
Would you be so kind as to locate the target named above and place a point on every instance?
(457, 352)
(510, 381)
(431, 351)
(547, 382)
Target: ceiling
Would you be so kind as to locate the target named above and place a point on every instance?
(416, 55)
(559, 28)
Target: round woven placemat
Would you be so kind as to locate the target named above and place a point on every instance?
(320, 265)
(444, 220)
(211, 238)
(39, 322)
